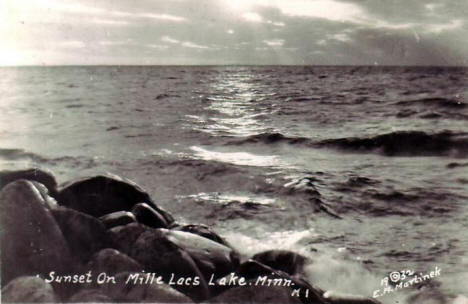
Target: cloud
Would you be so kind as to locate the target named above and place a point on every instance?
(322, 42)
(439, 28)
(340, 37)
(395, 26)
(326, 9)
(165, 17)
(169, 40)
(65, 6)
(113, 42)
(234, 31)
(73, 44)
(189, 44)
(280, 24)
(77, 8)
(158, 46)
(432, 6)
(252, 17)
(274, 42)
(109, 21)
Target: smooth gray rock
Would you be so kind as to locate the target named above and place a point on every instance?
(85, 234)
(90, 296)
(38, 175)
(49, 200)
(31, 241)
(255, 295)
(28, 290)
(111, 262)
(284, 260)
(101, 195)
(142, 293)
(124, 237)
(252, 270)
(118, 218)
(148, 216)
(157, 253)
(204, 231)
(211, 257)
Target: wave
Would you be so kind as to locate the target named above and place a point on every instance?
(18, 154)
(406, 143)
(375, 198)
(39, 160)
(400, 143)
(272, 138)
(440, 102)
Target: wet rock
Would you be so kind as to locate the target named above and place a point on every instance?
(157, 253)
(149, 216)
(256, 294)
(119, 218)
(44, 177)
(90, 296)
(31, 241)
(44, 192)
(101, 195)
(204, 231)
(85, 234)
(126, 291)
(259, 274)
(28, 290)
(124, 237)
(111, 262)
(211, 257)
(284, 260)
(333, 297)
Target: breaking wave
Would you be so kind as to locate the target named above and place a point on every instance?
(400, 143)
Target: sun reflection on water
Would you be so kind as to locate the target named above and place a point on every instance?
(236, 104)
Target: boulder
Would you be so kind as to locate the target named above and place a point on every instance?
(211, 257)
(90, 296)
(118, 218)
(28, 290)
(101, 195)
(142, 293)
(256, 294)
(284, 260)
(31, 241)
(85, 234)
(157, 253)
(112, 261)
(123, 237)
(44, 177)
(44, 192)
(204, 231)
(148, 216)
(258, 274)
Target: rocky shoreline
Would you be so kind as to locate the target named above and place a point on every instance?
(103, 239)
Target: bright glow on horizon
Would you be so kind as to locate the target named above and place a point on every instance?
(10, 58)
(252, 17)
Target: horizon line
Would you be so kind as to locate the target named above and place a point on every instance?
(234, 64)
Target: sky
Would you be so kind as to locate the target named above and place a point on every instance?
(210, 32)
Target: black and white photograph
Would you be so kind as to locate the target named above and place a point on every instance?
(234, 151)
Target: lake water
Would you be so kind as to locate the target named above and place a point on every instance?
(363, 169)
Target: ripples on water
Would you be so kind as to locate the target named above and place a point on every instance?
(362, 168)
